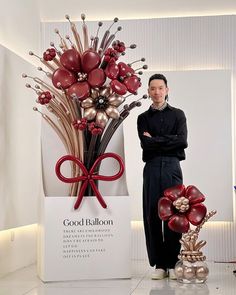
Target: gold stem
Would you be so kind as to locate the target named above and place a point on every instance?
(64, 44)
(77, 38)
(86, 41)
(60, 112)
(48, 65)
(57, 62)
(199, 245)
(185, 244)
(207, 217)
(57, 130)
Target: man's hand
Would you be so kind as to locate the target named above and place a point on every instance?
(147, 134)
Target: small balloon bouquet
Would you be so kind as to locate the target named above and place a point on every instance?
(84, 94)
(182, 206)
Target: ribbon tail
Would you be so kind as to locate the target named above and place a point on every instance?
(81, 194)
(97, 194)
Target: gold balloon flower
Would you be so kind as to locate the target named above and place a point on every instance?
(102, 105)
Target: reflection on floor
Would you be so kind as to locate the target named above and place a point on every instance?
(221, 281)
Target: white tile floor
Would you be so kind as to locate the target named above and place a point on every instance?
(221, 281)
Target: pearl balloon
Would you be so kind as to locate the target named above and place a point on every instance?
(179, 272)
(189, 273)
(202, 272)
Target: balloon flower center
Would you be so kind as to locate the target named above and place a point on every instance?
(101, 102)
(181, 204)
(82, 77)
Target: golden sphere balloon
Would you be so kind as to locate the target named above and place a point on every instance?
(202, 272)
(179, 272)
(189, 273)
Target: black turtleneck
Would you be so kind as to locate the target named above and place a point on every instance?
(168, 130)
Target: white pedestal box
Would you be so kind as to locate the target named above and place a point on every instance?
(88, 243)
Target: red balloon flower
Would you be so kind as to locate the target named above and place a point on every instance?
(182, 206)
(123, 78)
(80, 124)
(79, 74)
(49, 54)
(119, 46)
(45, 97)
(111, 55)
(94, 128)
(82, 73)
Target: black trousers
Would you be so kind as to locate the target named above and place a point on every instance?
(163, 244)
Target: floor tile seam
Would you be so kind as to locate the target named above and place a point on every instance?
(76, 287)
(139, 282)
(13, 273)
(29, 290)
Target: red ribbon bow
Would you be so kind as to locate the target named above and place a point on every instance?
(88, 177)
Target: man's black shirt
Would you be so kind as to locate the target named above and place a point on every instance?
(168, 129)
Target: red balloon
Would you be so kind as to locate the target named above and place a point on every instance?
(70, 59)
(63, 78)
(118, 87)
(175, 192)
(81, 89)
(132, 83)
(90, 60)
(179, 223)
(124, 69)
(194, 195)
(196, 213)
(96, 78)
(165, 208)
(112, 71)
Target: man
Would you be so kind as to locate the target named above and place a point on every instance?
(162, 131)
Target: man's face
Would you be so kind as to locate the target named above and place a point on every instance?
(157, 90)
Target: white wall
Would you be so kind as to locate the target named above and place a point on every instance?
(20, 129)
(19, 33)
(17, 248)
(20, 26)
(55, 10)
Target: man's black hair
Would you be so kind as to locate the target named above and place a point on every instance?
(157, 77)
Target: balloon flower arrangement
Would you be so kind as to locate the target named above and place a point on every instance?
(182, 206)
(84, 91)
